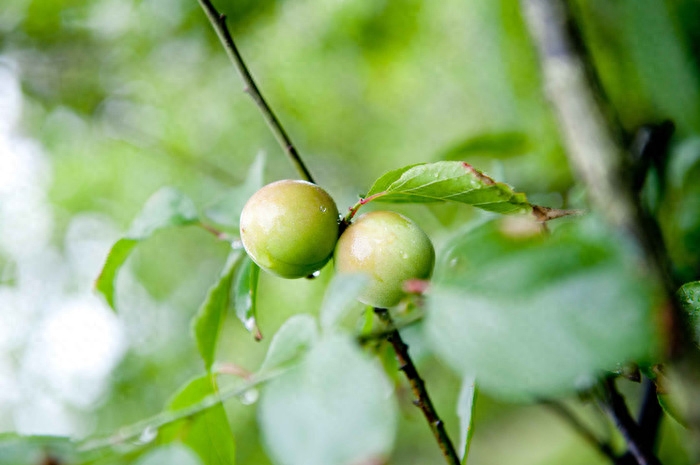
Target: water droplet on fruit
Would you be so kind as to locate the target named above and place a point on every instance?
(323, 209)
(453, 263)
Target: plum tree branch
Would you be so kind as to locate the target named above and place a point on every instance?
(637, 442)
(218, 21)
(422, 400)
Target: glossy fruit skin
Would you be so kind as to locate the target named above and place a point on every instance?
(390, 249)
(289, 228)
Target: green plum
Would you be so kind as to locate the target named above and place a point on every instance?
(289, 228)
(390, 249)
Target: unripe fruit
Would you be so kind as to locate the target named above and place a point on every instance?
(390, 249)
(289, 228)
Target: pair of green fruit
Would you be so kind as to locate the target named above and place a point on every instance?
(290, 228)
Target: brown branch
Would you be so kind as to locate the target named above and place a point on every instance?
(422, 400)
(614, 404)
(218, 21)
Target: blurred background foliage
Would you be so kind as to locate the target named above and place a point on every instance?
(102, 102)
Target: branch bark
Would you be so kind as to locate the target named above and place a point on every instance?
(422, 400)
(218, 21)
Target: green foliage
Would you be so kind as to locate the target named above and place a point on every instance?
(689, 296)
(339, 298)
(245, 295)
(496, 144)
(446, 180)
(207, 323)
(175, 454)
(208, 433)
(334, 408)
(533, 315)
(293, 339)
(166, 208)
(465, 410)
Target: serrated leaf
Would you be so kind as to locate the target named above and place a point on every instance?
(294, 337)
(172, 454)
(335, 408)
(497, 144)
(689, 297)
(208, 433)
(341, 295)
(537, 316)
(166, 208)
(245, 288)
(226, 211)
(447, 180)
(465, 412)
(209, 319)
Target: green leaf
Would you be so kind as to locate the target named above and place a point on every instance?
(447, 180)
(167, 207)
(209, 319)
(226, 211)
(335, 408)
(341, 295)
(689, 297)
(172, 454)
(246, 295)
(208, 433)
(496, 144)
(294, 338)
(465, 412)
(533, 315)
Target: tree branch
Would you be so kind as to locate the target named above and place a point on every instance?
(614, 404)
(422, 400)
(218, 21)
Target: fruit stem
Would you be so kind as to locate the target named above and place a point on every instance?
(218, 21)
(422, 401)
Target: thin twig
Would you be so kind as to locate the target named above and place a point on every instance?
(218, 21)
(567, 415)
(161, 419)
(614, 404)
(418, 387)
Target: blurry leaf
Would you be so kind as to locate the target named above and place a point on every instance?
(245, 288)
(167, 207)
(227, 210)
(23, 450)
(465, 412)
(335, 408)
(533, 315)
(447, 180)
(172, 454)
(294, 337)
(208, 433)
(689, 297)
(496, 144)
(207, 323)
(341, 295)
